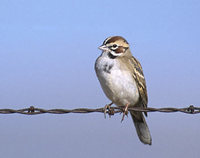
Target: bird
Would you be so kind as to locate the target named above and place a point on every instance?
(122, 79)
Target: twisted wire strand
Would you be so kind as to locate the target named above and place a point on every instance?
(111, 111)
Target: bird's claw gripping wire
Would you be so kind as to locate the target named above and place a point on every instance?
(108, 110)
(125, 112)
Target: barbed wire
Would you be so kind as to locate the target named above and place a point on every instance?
(111, 111)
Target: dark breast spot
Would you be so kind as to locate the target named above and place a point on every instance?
(107, 68)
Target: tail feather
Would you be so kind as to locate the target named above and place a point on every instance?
(141, 127)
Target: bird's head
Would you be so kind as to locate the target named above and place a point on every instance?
(115, 46)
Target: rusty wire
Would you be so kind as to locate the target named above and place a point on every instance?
(111, 111)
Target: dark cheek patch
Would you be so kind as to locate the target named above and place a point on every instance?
(120, 49)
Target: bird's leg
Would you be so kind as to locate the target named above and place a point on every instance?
(107, 107)
(125, 112)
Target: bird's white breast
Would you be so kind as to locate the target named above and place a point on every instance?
(117, 82)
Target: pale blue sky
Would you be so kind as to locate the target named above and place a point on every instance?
(47, 54)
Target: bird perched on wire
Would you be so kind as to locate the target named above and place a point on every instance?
(122, 80)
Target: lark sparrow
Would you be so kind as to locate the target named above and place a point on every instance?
(122, 80)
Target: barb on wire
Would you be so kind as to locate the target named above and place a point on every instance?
(111, 111)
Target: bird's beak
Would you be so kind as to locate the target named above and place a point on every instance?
(103, 48)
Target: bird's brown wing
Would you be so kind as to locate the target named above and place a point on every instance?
(140, 81)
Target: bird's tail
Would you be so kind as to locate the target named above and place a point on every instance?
(141, 127)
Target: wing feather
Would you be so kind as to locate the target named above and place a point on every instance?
(140, 81)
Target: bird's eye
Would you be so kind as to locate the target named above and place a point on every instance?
(114, 46)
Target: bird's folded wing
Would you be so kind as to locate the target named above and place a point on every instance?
(140, 80)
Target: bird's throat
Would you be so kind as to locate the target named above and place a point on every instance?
(111, 56)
